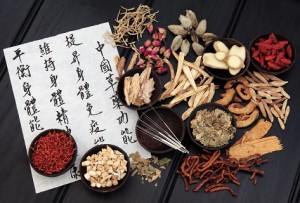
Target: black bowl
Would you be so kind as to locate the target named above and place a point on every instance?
(67, 167)
(95, 150)
(224, 74)
(268, 70)
(155, 94)
(209, 106)
(170, 118)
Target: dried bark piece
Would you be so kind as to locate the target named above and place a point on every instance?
(258, 131)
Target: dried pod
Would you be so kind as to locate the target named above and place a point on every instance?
(208, 36)
(185, 47)
(198, 49)
(185, 22)
(176, 43)
(201, 28)
(192, 16)
(177, 30)
(194, 37)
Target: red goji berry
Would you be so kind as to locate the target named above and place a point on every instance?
(282, 64)
(286, 61)
(268, 41)
(273, 38)
(274, 51)
(264, 46)
(256, 58)
(279, 56)
(274, 66)
(280, 44)
(269, 58)
(255, 53)
(289, 51)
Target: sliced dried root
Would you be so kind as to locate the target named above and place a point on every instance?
(236, 108)
(243, 91)
(249, 119)
(227, 97)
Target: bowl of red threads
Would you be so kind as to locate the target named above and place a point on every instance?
(272, 53)
(52, 152)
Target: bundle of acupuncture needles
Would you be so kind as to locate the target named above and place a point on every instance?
(151, 128)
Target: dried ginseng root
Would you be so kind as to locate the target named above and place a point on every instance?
(210, 171)
(148, 169)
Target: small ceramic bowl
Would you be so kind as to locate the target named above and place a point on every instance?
(267, 69)
(95, 150)
(34, 144)
(155, 94)
(224, 74)
(208, 106)
(159, 116)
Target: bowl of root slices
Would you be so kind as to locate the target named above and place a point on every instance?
(139, 88)
(226, 58)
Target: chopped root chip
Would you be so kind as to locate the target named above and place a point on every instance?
(227, 98)
(249, 120)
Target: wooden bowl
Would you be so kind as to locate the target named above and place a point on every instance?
(95, 150)
(267, 69)
(155, 94)
(208, 106)
(43, 134)
(224, 74)
(172, 120)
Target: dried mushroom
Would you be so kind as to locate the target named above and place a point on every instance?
(213, 128)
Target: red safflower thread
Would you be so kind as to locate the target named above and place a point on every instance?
(53, 152)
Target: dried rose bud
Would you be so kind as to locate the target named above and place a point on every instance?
(167, 53)
(162, 30)
(156, 43)
(147, 43)
(159, 63)
(140, 62)
(161, 37)
(150, 28)
(141, 50)
(161, 70)
(155, 36)
(162, 50)
(154, 57)
(148, 51)
(155, 50)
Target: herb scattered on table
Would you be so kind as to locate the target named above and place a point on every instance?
(149, 169)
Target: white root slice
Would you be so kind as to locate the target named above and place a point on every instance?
(234, 62)
(220, 47)
(220, 55)
(238, 51)
(210, 60)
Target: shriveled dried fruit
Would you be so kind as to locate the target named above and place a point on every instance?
(208, 36)
(201, 28)
(185, 22)
(192, 16)
(178, 30)
(198, 49)
(185, 47)
(176, 43)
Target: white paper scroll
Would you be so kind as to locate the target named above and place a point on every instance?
(68, 82)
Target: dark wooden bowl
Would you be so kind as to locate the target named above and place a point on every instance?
(268, 70)
(224, 74)
(209, 106)
(173, 121)
(68, 166)
(155, 94)
(95, 150)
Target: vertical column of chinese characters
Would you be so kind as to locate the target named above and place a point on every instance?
(122, 119)
(84, 92)
(56, 96)
(23, 72)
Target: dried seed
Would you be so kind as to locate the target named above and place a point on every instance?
(278, 111)
(262, 109)
(285, 94)
(281, 124)
(208, 36)
(250, 79)
(185, 47)
(185, 22)
(283, 108)
(260, 77)
(270, 115)
(177, 30)
(198, 49)
(201, 28)
(253, 94)
(192, 16)
(286, 115)
(176, 43)
(274, 112)
(254, 77)
(278, 83)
